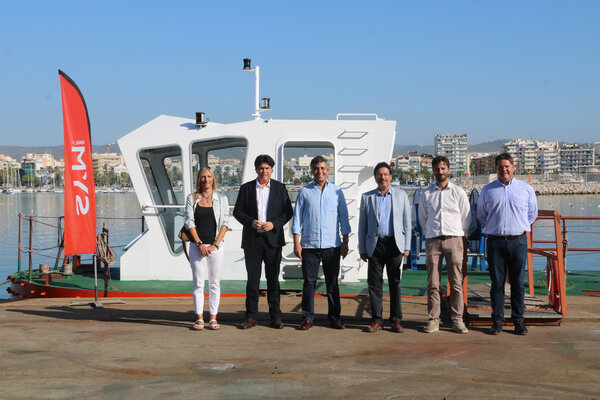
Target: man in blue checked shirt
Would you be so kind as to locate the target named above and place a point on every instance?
(507, 207)
(319, 217)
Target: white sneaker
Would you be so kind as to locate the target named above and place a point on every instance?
(432, 326)
(459, 327)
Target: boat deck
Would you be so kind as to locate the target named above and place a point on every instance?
(414, 283)
(145, 349)
(479, 310)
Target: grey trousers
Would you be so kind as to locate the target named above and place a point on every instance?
(450, 249)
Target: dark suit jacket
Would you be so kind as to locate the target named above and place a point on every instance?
(279, 211)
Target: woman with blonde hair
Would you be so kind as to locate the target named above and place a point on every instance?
(207, 219)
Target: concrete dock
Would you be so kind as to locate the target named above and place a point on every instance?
(145, 349)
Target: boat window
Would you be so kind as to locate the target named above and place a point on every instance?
(296, 162)
(227, 158)
(173, 167)
(162, 170)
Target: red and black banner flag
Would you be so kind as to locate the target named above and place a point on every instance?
(80, 197)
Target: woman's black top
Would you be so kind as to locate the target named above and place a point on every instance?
(206, 225)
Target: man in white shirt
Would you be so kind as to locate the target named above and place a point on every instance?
(445, 216)
(263, 207)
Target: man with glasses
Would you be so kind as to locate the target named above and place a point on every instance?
(384, 233)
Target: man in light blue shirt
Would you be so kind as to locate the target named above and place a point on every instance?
(507, 207)
(320, 214)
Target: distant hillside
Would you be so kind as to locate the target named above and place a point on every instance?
(18, 152)
(495, 145)
(487, 147)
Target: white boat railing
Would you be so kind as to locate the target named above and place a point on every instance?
(146, 206)
(338, 115)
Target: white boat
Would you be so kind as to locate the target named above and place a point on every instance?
(356, 141)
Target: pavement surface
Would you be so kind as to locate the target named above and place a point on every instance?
(146, 349)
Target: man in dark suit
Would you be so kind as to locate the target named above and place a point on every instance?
(263, 207)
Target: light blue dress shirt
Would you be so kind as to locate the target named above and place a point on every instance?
(384, 209)
(507, 210)
(319, 216)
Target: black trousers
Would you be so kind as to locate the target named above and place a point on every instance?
(386, 253)
(311, 259)
(255, 256)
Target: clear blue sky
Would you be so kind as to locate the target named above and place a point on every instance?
(505, 69)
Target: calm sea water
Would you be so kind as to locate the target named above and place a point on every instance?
(121, 213)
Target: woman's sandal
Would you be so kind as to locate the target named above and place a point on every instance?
(199, 325)
(214, 325)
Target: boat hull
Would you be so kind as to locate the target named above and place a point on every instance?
(24, 289)
(414, 283)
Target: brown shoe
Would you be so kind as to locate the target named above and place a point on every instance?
(375, 326)
(337, 324)
(305, 325)
(249, 323)
(276, 323)
(396, 327)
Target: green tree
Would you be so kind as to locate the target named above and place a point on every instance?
(112, 178)
(125, 179)
(288, 175)
(30, 180)
(58, 177)
(218, 171)
(427, 174)
(174, 174)
(226, 175)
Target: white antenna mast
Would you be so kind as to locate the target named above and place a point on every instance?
(264, 103)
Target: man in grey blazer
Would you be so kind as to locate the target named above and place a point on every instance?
(384, 233)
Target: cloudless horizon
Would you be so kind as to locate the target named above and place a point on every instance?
(490, 69)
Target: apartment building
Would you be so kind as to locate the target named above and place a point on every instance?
(104, 162)
(575, 156)
(454, 146)
(534, 155)
(483, 164)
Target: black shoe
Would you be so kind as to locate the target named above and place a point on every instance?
(249, 323)
(520, 328)
(276, 323)
(496, 328)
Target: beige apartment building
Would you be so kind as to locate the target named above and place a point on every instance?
(534, 155)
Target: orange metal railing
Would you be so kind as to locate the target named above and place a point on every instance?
(555, 251)
(555, 257)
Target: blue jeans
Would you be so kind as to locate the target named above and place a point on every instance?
(507, 255)
(311, 259)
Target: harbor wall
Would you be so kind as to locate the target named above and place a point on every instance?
(552, 188)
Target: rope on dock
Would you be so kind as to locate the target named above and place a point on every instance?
(103, 250)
